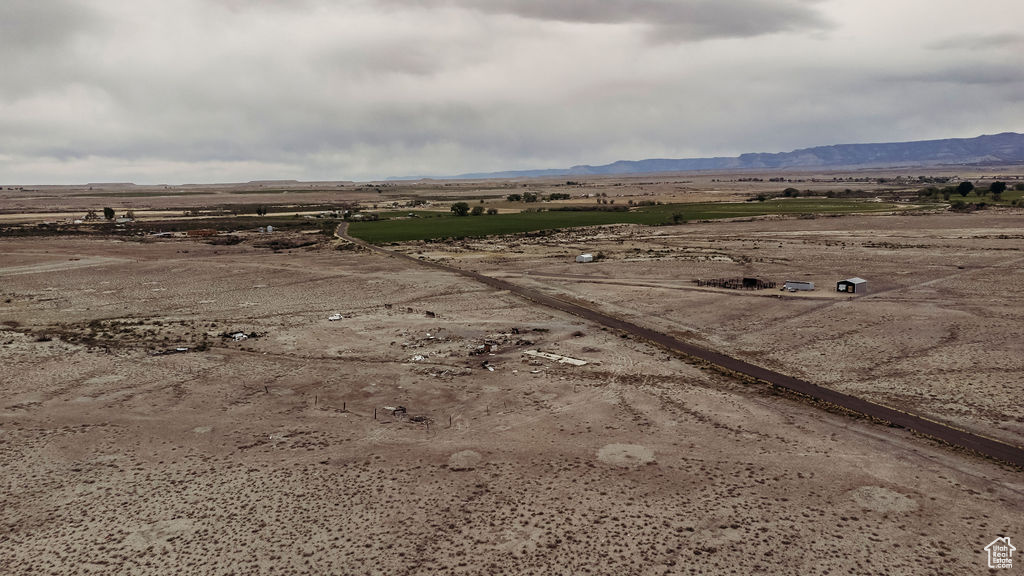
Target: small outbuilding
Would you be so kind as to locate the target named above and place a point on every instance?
(852, 285)
(794, 285)
(585, 258)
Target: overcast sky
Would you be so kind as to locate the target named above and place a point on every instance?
(235, 90)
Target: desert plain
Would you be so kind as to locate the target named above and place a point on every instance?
(177, 405)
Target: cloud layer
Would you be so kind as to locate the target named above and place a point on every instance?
(214, 90)
(679, 20)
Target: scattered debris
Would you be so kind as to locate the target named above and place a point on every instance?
(238, 335)
(488, 347)
(418, 358)
(178, 350)
(556, 357)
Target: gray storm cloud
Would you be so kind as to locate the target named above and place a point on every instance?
(680, 20)
(199, 90)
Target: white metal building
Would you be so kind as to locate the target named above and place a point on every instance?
(852, 285)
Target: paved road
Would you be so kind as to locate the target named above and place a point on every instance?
(991, 447)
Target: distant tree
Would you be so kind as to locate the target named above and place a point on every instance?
(261, 210)
(91, 215)
(108, 213)
(530, 197)
(514, 197)
(791, 192)
(492, 211)
(677, 217)
(1018, 187)
(997, 188)
(476, 211)
(328, 227)
(460, 208)
(965, 188)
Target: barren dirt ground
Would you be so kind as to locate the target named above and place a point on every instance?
(937, 332)
(263, 455)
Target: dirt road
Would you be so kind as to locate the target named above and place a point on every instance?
(992, 448)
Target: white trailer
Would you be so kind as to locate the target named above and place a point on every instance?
(795, 285)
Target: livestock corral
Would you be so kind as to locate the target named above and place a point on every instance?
(188, 405)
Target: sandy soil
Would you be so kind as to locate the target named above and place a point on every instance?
(264, 455)
(934, 334)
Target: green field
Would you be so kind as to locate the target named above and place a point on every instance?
(450, 226)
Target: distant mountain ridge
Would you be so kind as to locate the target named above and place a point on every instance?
(1004, 148)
